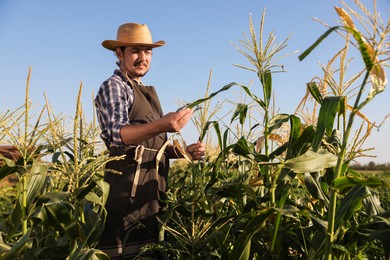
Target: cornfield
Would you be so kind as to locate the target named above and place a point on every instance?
(272, 186)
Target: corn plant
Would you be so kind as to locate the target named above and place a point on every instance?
(59, 208)
(278, 194)
(371, 49)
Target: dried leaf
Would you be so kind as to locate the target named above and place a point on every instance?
(345, 17)
(181, 149)
(256, 181)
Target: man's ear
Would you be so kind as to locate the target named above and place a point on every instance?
(119, 53)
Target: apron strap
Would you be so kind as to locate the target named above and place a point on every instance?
(139, 151)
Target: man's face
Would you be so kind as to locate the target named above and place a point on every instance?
(137, 60)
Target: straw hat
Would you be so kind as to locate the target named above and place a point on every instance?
(132, 34)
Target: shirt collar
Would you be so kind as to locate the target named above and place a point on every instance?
(119, 73)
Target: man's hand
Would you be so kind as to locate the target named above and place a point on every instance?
(175, 121)
(197, 150)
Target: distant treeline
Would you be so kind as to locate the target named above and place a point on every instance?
(372, 166)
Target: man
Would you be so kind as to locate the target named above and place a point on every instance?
(133, 124)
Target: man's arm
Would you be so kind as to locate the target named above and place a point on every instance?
(171, 122)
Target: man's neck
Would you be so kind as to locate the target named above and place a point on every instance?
(130, 77)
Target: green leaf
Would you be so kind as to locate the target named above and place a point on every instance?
(329, 108)
(36, 184)
(83, 191)
(316, 43)
(312, 161)
(232, 190)
(319, 223)
(363, 48)
(317, 243)
(4, 247)
(295, 131)
(199, 101)
(226, 87)
(10, 167)
(315, 92)
(90, 254)
(241, 111)
(278, 151)
(105, 188)
(266, 81)
(206, 127)
(242, 246)
(344, 183)
(241, 147)
(61, 218)
(19, 247)
(351, 202)
(372, 205)
(7, 161)
(295, 128)
(277, 121)
(313, 185)
(302, 143)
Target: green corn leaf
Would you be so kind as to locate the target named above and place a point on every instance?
(351, 202)
(313, 185)
(93, 225)
(280, 205)
(242, 148)
(329, 108)
(362, 48)
(90, 254)
(105, 188)
(315, 92)
(233, 190)
(300, 145)
(4, 247)
(35, 186)
(225, 140)
(205, 129)
(199, 101)
(312, 161)
(55, 195)
(266, 81)
(372, 205)
(226, 87)
(61, 218)
(295, 131)
(319, 223)
(278, 151)
(319, 40)
(24, 243)
(10, 167)
(7, 161)
(241, 112)
(242, 246)
(277, 121)
(316, 249)
(295, 128)
(344, 183)
(83, 191)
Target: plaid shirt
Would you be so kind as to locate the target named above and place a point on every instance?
(112, 103)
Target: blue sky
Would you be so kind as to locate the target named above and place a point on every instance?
(61, 41)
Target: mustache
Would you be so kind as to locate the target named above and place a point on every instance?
(144, 63)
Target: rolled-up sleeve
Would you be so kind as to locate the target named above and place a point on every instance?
(112, 104)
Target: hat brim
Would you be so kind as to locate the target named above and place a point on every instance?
(112, 44)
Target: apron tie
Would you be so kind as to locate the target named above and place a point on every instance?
(139, 150)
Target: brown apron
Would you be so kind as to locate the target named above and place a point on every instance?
(134, 204)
